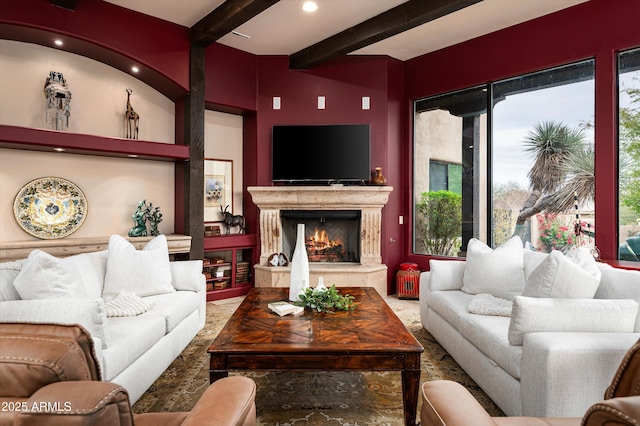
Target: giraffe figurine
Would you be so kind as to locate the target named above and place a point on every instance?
(131, 119)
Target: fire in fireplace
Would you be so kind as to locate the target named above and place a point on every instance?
(330, 236)
(321, 248)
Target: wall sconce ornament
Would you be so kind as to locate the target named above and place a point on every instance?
(58, 96)
(141, 215)
(131, 119)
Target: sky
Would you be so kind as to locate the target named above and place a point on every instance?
(516, 116)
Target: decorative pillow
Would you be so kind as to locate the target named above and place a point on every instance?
(558, 276)
(582, 257)
(446, 274)
(127, 305)
(92, 268)
(141, 272)
(8, 273)
(498, 272)
(532, 259)
(530, 315)
(44, 276)
(187, 275)
(88, 313)
(620, 284)
(486, 304)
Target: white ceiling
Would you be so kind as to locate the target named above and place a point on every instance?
(284, 28)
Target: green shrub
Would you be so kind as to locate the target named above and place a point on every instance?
(440, 221)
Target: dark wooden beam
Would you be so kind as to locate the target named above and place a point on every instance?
(194, 169)
(225, 18)
(394, 21)
(65, 4)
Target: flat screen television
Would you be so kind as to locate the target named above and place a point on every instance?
(321, 153)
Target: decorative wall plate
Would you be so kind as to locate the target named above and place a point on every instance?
(50, 208)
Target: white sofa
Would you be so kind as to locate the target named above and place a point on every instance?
(559, 348)
(140, 308)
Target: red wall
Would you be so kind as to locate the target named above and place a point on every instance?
(595, 29)
(107, 33)
(343, 83)
(231, 79)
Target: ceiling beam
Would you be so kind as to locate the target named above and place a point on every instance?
(65, 4)
(225, 18)
(401, 18)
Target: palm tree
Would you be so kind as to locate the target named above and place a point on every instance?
(557, 174)
(579, 185)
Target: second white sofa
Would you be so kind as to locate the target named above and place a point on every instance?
(558, 349)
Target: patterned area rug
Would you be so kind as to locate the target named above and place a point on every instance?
(332, 398)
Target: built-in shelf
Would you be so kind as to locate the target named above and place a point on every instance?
(234, 249)
(16, 137)
(12, 250)
(226, 241)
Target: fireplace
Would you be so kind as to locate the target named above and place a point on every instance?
(357, 210)
(330, 235)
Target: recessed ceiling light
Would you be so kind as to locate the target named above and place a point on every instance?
(135, 69)
(58, 42)
(309, 6)
(58, 149)
(132, 156)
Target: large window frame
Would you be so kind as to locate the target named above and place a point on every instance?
(476, 224)
(628, 146)
(464, 110)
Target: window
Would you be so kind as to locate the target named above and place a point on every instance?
(629, 155)
(449, 188)
(445, 177)
(542, 151)
(524, 166)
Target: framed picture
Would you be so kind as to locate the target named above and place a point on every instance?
(218, 188)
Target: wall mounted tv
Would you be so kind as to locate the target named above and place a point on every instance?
(321, 153)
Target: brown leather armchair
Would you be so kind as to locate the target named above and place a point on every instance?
(449, 403)
(49, 376)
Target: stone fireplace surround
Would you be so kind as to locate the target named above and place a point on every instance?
(369, 200)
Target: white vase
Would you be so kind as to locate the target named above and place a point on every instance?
(299, 267)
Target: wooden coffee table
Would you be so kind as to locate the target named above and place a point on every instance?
(370, 338)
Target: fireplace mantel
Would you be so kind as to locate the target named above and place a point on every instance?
(319, 197)
(369, 200)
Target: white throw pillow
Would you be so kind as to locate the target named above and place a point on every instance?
(446, 274)
(582, 257)
(486, 304)
(44, 276)
(532, 259)
(127, 305)
(187, 275)
(142, 272)
(558, 276)
(498, 272)
(8, 273)
(92, 268)
(530, 315)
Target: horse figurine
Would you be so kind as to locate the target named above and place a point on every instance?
(231, 220)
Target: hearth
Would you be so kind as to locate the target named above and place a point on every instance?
(330, 235)
(359, 207)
